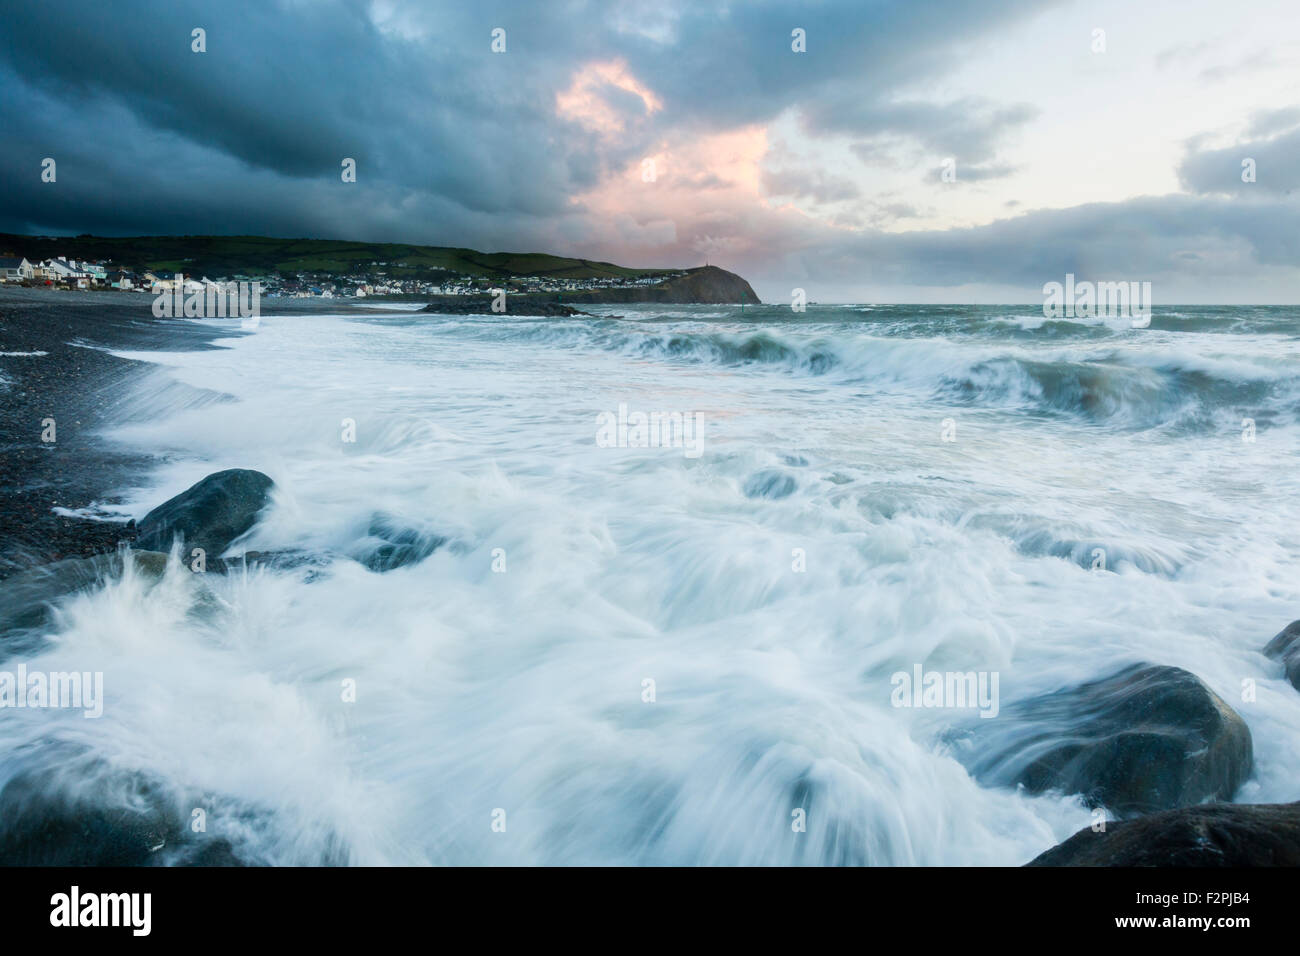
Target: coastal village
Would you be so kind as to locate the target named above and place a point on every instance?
(375, 280)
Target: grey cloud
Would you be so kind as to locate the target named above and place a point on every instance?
(813, 184)
(1172, 240)
(1180, 53)
(1260, 60)
(1219, 171)
(973, 173)
(968, 129)
(1271, 122)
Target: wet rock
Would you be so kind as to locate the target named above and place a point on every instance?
(1286, 648)
(126, 819)
(1208, 836)
(27, 599)
(210, 515)
(40, 828)
(769, 484)
(1147, 738)
(392, 543)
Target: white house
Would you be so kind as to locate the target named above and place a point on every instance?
(15, 270)
(187, 286)
(62, 269)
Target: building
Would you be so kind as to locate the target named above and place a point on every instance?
(16, 269)
(63, 270)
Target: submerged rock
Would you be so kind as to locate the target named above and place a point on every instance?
(1265, 834)
(769, 484)
(210, 515)
(392, 543)
(125, 818)
(27, 599)
(1286, 648)
(1147, 738)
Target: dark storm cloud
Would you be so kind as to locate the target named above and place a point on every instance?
(252, 132)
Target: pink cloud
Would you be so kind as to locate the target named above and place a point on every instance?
(586, 100)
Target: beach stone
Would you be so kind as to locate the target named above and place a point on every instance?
(1217, 835)
(1286, 648)
(210, 515)
(1147, 738)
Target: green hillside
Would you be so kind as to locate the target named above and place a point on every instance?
(258, 255)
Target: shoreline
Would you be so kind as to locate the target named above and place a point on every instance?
(56, 363)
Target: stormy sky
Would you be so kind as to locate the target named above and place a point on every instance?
(1103, 138)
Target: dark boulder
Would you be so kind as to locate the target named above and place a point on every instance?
(41, 828)
(210, 515)
(123, 818)
(1286, 648)
(1147, 738)
(1266, 834)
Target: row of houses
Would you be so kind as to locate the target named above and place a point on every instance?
(69, 272)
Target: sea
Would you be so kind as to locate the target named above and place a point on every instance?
(680, 557)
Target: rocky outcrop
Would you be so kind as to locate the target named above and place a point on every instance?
(1220, 835)
(210, 515)
(1145, 739)
(1285, 647)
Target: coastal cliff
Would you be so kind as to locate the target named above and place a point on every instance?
(706, 285)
